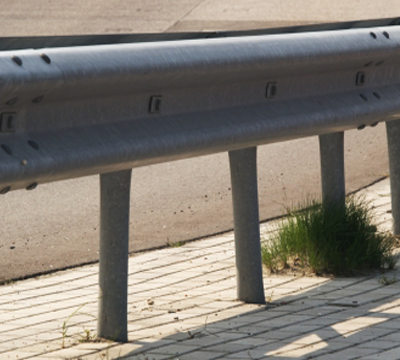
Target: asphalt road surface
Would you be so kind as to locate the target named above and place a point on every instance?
(57, 225)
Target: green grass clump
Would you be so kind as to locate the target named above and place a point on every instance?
(330, 239)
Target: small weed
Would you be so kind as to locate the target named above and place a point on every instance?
(330, 239)
(386, 281)
(269, 297)
(175, 244)
(88, 336)
(65, 327)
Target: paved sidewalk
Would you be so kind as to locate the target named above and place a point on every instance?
(182, 305)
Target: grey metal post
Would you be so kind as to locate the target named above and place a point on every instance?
(331, 148)
(114, 248)
(243, 164)
(393, 138)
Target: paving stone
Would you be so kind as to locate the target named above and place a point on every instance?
(253, 341)
(351, 353)
(273, 349)
(276, 335)
(357, 324)
(41, 348)
(380, 345)
(200, 340)
(249, 354)
(66, 353)
(109, 350)
(389, 324)
(393, 354)
(28, 343)
(367, 334)
(224, 336)
(149, 356)
(301, 328)
(302, 351)
(286, 320)
(229, 347)
(20, 354)
(174, 349)
(200, 355)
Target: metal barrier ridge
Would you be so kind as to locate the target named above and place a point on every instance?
(104, 109)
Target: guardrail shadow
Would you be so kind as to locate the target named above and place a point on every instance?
(307, 318)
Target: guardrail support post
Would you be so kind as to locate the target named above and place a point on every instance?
(331, 148)
(393, 139)
(114, 250)
(243, 165)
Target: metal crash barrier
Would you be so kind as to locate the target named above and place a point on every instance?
(77, 106)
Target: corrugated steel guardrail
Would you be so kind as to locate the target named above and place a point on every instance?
(107, 108)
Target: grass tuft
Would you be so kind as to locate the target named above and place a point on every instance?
(330, 239)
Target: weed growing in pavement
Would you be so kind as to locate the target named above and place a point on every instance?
(330, 239)
(87, 336)
(174, 244)
(65, 326)
(64, 330)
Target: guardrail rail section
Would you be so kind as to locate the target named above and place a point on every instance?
(69, 108)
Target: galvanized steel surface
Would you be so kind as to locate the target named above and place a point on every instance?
(114, 250)
(331, 147)
(85, 110)
(249, 277)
